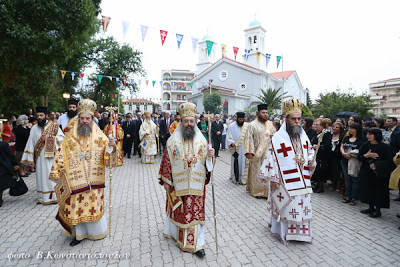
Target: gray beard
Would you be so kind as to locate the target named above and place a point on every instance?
(188, 132)
(84, 130)
(293, 131)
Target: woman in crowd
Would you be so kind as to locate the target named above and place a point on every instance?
(7, 135)
(22, 132)
(377, 164)
(8, 164)
(277, 125)
(380, 124)
(335, 169)
(307, 126)
(350, 149)
(203, 126)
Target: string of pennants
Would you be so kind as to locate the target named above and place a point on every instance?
(179, 38)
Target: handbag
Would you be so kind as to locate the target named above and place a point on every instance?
(20, 187)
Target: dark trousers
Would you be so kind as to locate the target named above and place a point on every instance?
(217, 143)
(128, 145)
(136, 149)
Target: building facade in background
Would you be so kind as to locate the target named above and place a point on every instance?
(240, 82)
(176, 88)
(134, 105)
(386, 98)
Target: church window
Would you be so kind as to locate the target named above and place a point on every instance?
(255, 39)
(243, 86)
(223, 75)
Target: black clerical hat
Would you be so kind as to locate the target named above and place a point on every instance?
(240, 114)
(262, 106)
(73, 102)
(41, 110)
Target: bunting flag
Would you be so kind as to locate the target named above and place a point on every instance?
(124, 80)
(194, 44)
(161, 83)
(143, 29)
(147, 82)
(163, 35)
(185, 84)
(246, 53)
(132, 81)
(278, 60)
(267, 58)
(81, 75)
(63, 72)
(140, 82)
(154, 82)
(179, 38)
(105, 21)
(191, 85)
(173, 83)
(91, 76)
(223, 49)
(125, 26)
(99, 77)
(109, 77)
(117, 80)
(258, 56)
(235, 51)
(73, 75)
(209, 46)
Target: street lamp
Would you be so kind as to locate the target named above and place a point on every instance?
(210, 80)
(66, 96)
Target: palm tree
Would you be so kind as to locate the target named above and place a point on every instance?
(273, 98)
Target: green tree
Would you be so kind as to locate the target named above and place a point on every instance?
(111, 59)
(309, 101)
(329, 104)
(38, 37)
(213, 103)
(273, 97)
(306, 112)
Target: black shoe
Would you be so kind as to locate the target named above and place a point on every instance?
(398, 215)
(200, 253)
(375, 214)
(398, 228)
(75, 242)
(367, 211)
(396, 199)
(258, 197)
(1, 203)
(134, 154)
(129, 156)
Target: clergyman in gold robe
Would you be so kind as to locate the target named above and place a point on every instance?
(79, 169)
(256, 142)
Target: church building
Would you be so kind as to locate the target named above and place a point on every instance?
(240, 83)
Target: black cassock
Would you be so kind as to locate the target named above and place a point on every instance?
(374, 188)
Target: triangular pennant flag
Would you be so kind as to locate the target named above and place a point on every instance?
(179, 83)
(100, 77)
(185, 83)
(154, 82)
(91, 76)
(143, 29)
(73, 75)
(278, 60)
(124, 79)
(81, 74)
(267, 58)
(140, 82)
(246, 53)
(147, 82)
(105, 21)
(109, 77)
(125, 26)
(258, 56)
(223, 49)
(194, 44)
(161, 82)
(179, 38)
(191, 85)
(63, 72)
(173, 83)
(209, 46)
(117, 80)
(132, 81)
(235, 51)
(163, 35)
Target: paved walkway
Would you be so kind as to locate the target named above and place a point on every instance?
(342, 235)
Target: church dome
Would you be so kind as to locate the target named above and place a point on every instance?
(207, 38)
(254, 23)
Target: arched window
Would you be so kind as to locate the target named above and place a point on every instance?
(255, 39)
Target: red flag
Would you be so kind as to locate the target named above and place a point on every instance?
(105, 21)
(235, 51)
(163, 35)
(81, 74)
(124, 79)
